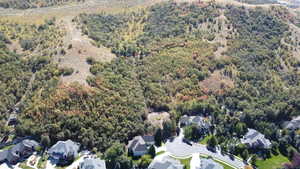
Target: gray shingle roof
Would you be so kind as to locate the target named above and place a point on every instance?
(137, 144)
(210, 164)
(92, 163)
(3, 155)
(255, 139)
(16, 151)
(65, 148)
(293, 124)
(148, 138)
(197, 120)
(166, 163)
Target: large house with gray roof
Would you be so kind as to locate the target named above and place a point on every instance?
(209, 164)
(139, 145)
(64, 151)
(255, 139)
(18, 152)
(166, 163)
(293, 124)
(92, 163)
(201, 122)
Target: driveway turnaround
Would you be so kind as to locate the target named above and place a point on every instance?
(176, 147)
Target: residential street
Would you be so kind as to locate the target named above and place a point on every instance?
(178, 148)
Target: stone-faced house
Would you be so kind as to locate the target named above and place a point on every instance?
(92, 163)
(64, 151)
(166, 163)
(19, 152)
(255, 139)
(139, 145)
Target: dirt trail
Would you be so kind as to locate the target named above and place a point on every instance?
(82, 48)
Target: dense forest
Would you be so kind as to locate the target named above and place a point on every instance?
(170, 59)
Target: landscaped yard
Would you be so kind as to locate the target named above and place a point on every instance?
(186, 162)
(24, 166)
(205, 139)
(42, 162)
(6, 147)
(272, 163)
(159, 153)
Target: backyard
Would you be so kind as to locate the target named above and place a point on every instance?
(272, 163)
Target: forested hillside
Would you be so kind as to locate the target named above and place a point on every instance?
(235, 64)
(25, 4)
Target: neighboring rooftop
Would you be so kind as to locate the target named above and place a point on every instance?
(293, 124)
(19, 151)
(197, 120)
(137, 144)
(92, 163)
(65, 148)
(254, 138)
(148, 139)
(166, 163)
(209, 164)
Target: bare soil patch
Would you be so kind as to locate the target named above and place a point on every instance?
(216, 83)
(158, 118)
(81, 49)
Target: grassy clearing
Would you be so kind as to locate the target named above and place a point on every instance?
(272, 163)
(205, 139)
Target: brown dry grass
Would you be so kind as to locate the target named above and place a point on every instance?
(216, 83)
(82, 48)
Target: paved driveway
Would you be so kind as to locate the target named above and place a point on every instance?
(178, 148)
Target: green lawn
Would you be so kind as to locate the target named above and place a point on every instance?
(159, 153)
(42, 162)
(205, 139)
(186, 162)
(6, 147)
(272, 163)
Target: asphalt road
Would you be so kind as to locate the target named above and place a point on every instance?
(178, 148)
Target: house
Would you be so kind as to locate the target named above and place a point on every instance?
(255, 139)
(19, 152)
(12, 120)
(149, 140)
(139, 145)
(166, 163)
(209, 164)
(3, 155)
(293, 124)
(92, 163)
(64, 151)
(202, 123)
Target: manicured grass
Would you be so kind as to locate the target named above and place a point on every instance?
(186, 162)
(205, 139)
(159, 153)
(6, 147)
(272, 163)
(42, 162)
